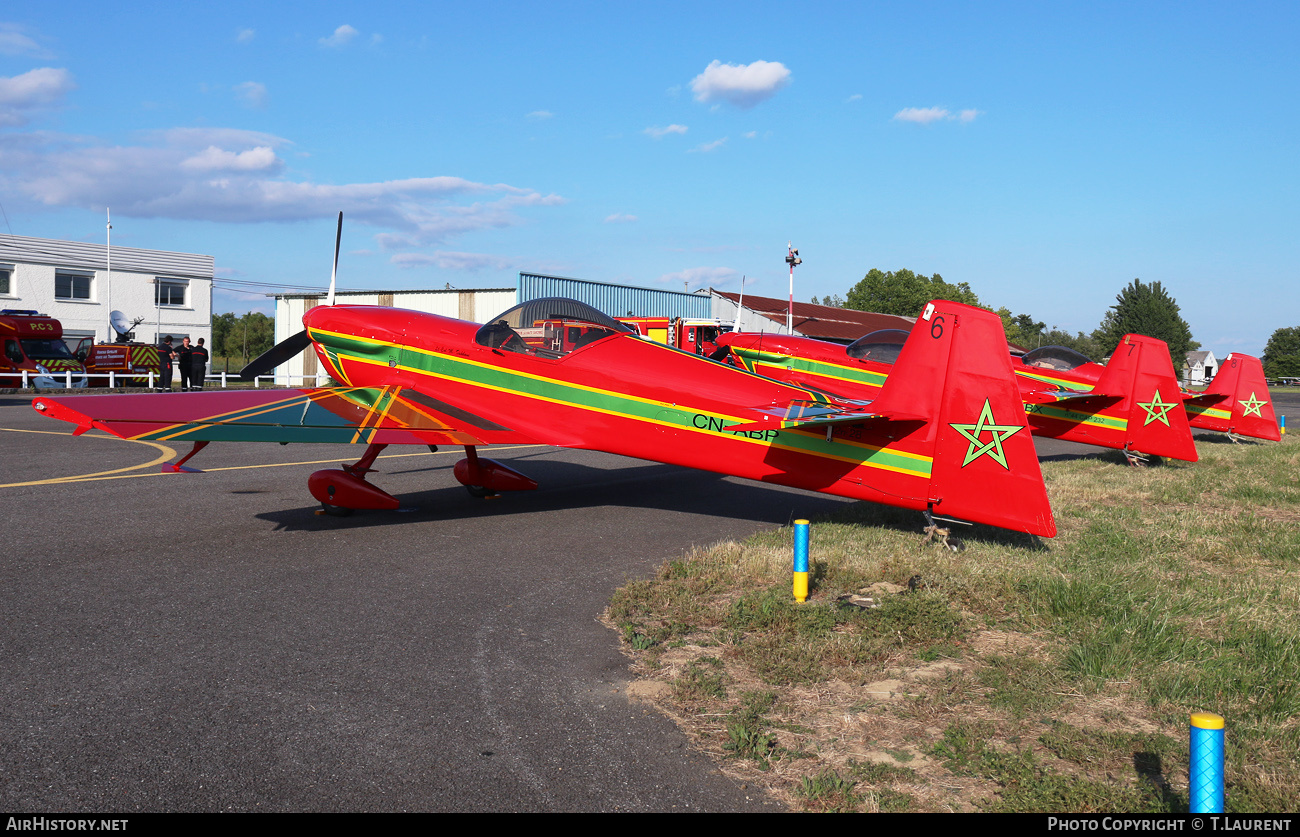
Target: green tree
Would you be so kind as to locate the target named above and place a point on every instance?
(1146, 309)
(904, 293)
(243, 337)
(1282, 354)
(1021, 329)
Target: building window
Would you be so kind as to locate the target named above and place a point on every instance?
(6, 279)
(72, 286)
(169, 292)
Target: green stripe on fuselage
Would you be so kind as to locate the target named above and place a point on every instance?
(1074, 417)
(864, 377)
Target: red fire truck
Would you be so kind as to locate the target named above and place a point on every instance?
(698, 336)
(130, 362)
(33, 342)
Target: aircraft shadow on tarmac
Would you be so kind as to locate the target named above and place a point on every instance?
(568, 485)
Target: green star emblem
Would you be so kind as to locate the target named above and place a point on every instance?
(973, 432)
(1157, 410)
(1252, 406)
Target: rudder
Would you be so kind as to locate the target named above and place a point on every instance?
(1243, 397)
(1141, 372)
(956, 372)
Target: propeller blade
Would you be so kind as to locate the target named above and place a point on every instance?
(338, 238)
(276, 355)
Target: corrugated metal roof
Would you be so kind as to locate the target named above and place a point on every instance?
(841, 325)
(616, 300)
(19, 248)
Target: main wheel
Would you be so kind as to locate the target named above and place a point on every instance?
(335, 511)
(479, 491)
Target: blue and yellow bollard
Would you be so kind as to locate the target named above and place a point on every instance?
(1205, 771)
(801, 561)
(1283, 425)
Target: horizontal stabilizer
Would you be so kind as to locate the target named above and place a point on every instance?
(808, 415)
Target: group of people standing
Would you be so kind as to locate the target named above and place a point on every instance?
(191, 362)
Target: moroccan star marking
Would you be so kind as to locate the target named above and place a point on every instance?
(1157, 410)
(1000, 433)
(1252, 406)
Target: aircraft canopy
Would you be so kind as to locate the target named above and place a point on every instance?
(882, 346)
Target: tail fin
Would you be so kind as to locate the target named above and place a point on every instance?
(955, 371)
(1141, 373)
(1237, 401)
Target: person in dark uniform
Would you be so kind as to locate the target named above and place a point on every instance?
(165, 358)
(199, 370)
(184, 363)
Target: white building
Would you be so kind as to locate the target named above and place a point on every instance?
(70, 281)
(1199, 368)
(475, 305)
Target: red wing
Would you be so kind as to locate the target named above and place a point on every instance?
(386, 415)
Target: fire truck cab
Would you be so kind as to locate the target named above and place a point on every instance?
(698, 336)
(34, 342)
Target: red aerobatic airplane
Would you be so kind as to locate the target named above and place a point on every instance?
(945, 436)
(1236, 402)
(1127, 405)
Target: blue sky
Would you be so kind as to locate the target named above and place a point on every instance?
(1045, 153)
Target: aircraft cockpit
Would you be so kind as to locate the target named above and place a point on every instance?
(881, 346)
(1058, 358)
(550, 327)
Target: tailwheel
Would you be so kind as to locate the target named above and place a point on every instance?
(934, 533)
(1135, 459)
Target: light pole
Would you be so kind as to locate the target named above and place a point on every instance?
(792, 259)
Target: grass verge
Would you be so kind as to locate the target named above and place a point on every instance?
(1019, 675)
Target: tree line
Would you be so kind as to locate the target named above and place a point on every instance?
(1140, 308)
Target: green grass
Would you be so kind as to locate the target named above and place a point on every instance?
(1052, 675)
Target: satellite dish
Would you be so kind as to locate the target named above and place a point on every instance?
(120, 323)
(123, 326)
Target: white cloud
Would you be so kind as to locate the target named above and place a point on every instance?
(751, 134)
(658, 132)
(743, 85)
(260, 159)
(233, 176)
(924, 116)
(856, 97)
(341, 37)
(699, 277)
(252, 93)
(619, 218)
(34, 89)
(245, 36)
(540, 114)
(13, 41)
(447, 260)
(706, 147)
